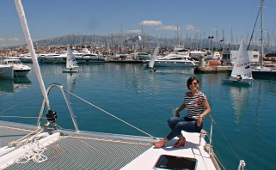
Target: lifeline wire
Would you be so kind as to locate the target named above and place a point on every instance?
(111, 114)
(19, 103)
(231, 147)
(22, 117)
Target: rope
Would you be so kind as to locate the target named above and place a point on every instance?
(34, 148)
(34, 153)
(26, 138)
(111, 115)
(218, 160)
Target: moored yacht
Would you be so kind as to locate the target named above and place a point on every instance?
(262, 70)
(25, 58)
(90, 58)
(141, 56)
(52, 58)
(269, 60)
(178, 58)
(20, 70)
(61, 57)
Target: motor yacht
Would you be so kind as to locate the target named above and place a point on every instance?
(178, 58)
(20, 70)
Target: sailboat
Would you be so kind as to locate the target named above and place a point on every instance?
(71, 62)
(261, 71)
(153, 58)
(241, 73)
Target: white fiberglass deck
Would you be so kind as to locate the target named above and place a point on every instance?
(191, 150)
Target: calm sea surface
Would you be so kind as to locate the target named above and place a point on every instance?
(244, 116)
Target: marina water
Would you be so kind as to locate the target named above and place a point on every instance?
(244, 116)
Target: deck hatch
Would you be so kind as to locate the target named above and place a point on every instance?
(176, 163)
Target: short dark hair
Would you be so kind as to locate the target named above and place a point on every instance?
(190, 81)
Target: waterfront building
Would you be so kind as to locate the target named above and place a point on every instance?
(229, 56)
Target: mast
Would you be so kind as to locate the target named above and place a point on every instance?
(28, 38)
(262, 42)
(177, 37)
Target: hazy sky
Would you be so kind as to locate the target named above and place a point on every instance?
(53, 18)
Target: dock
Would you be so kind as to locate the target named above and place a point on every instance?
(212, 69)
(211, 66)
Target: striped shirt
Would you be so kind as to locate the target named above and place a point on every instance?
(194, 104)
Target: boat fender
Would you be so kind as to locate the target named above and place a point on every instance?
(51, 116)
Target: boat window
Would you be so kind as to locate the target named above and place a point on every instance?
(182, 51)
(226, 56)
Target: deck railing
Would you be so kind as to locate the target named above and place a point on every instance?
(66, 101)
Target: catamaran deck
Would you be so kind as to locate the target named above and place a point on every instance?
(93, 150)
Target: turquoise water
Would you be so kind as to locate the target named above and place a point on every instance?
(244, 116)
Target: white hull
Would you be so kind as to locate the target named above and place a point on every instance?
(70, 71)
(26, 59)
(174, 63)
(178, 58)
(51, 59)
(6, 72)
